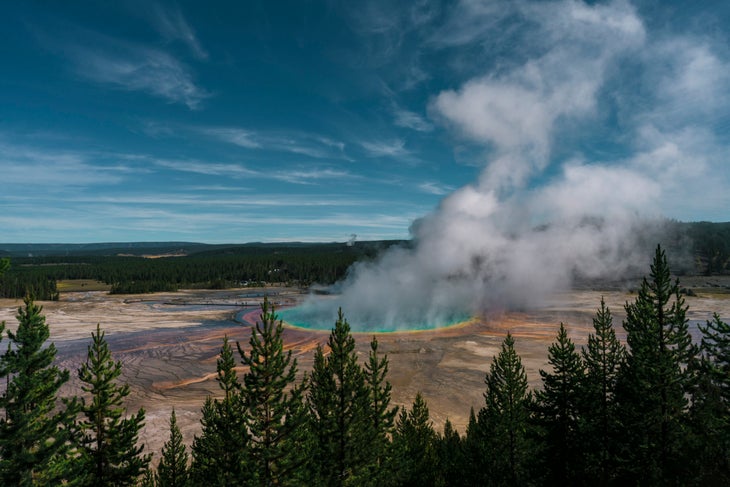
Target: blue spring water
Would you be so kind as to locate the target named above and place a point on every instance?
(305, 317)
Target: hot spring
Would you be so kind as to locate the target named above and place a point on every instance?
(321, 314)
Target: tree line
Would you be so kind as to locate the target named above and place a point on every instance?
(699, 247)
(652, 411)
(298, 265)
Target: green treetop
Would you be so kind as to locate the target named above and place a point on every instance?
(34, 432)
(109, 448)
(271, 402)
(655, 382)
(172, 470)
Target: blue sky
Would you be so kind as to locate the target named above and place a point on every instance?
(315, 120)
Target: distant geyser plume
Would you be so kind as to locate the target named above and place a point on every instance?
(531, 224)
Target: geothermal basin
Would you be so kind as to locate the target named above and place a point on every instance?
(168, 343)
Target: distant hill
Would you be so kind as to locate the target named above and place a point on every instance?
(176, 249)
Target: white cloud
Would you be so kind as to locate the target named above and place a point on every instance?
(54, 170)
(239, 137)
(386, 148)
(294, 175)
(311, 145)
(515, 111)
(432, 187)
(208, 168)
(411, 120)
(133, 67)
(172, 25)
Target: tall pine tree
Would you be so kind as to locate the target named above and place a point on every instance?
(220, 452)
(710, 410)
(272, 403)
(414, 445)
(172, 470)
(655, 382)
(338, 402)
(109, 450)
(451, 469)
(381, 415)
(34, 435)
(603, 356)
(504, 420)
(558, 411)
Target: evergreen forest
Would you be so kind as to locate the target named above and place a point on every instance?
(652, 410)
(127, 271)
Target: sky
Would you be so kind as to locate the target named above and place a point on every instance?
(226, 122)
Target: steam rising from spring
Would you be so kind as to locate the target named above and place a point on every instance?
(531, 224)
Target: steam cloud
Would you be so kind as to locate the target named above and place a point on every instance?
(525, 229)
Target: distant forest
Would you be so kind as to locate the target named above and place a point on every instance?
(700, 248)
(130, 270)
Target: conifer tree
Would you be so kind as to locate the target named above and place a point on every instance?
(381, 415)
(474, 448)
(34, 435)
(108, 440)
(338, 403)
(452, 466)
(558, 411)
(504, 420)
(272, 404)
(603, 357)
(414, 443)
(656, 380)
(710, 410)
(172, 470)
(220, 452)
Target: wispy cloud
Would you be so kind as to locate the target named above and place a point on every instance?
(134, 67)
(432, 187)
(172, 25)
(411, 120)
(207, 168)
(234, 170)
(54, 169)
(243, 200)
(311, 145)
(235, 136)
(311, 175)
(386, 148)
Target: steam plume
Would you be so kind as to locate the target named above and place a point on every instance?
(530, 224)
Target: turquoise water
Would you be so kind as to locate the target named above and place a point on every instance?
(306, 317)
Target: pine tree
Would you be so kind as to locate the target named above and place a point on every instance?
(414, 442)
(603, 357)
(109, 449)
(172, 470)
(272, 419)
(558, 411)
(474, 448)
(504, 420)
(381, 415)
(34, 436)
(710, 410)
(452, 466)
(220, 452)
(338, 403)
(655, 382)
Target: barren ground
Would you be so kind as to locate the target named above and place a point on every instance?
(169, 348)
